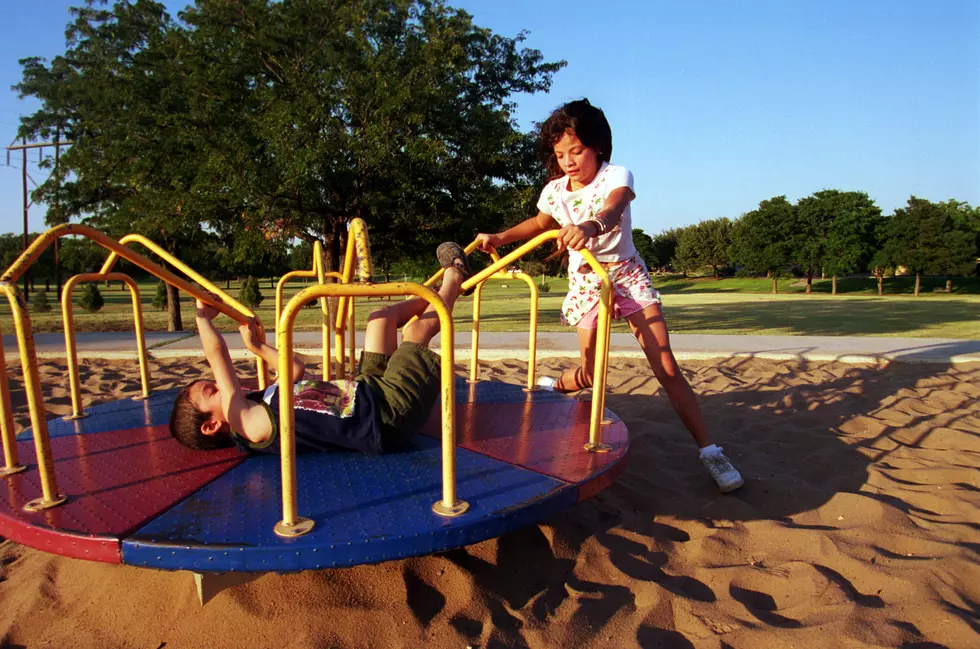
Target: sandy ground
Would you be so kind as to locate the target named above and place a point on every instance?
(858, 527)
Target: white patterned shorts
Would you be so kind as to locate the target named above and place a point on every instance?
(632, 286)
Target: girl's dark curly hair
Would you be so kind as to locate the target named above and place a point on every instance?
(589, 124)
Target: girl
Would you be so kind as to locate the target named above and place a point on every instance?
(589, 199)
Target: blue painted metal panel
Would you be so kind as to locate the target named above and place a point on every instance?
(115, 415)
(366, 508)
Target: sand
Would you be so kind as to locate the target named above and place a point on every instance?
(858, 527)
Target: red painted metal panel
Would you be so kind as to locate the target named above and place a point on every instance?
(115, 482)
(544, 436)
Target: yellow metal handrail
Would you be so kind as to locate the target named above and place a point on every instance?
(320, 274)
(70, 349)
(25, 337)
(359, 253)
(603, 334)
(294, 525)
(243, 311)
(11, 462)
(532, 328)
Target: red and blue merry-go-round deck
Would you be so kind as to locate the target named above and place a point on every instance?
(136, 496)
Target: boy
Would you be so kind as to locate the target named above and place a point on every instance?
(389, 400)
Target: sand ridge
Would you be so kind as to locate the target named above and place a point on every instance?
(858, 527)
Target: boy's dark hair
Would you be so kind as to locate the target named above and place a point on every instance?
(589, 124)
(186, 421)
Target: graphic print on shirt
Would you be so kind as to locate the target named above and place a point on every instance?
(327, 398)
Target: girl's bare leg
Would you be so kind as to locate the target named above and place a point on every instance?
(651, 331)
(580, 377)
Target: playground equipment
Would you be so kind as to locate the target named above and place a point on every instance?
(493, 457)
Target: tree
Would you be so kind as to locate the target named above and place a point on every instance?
(809, 238)
(159, 300)
(645, 248)
(762, 239)
(250, 294)
(91, 299)
(924, 238)
(664, 249)
(287, 119)
(850, 235)
(685, 257)
(39, 302)
(705, 244)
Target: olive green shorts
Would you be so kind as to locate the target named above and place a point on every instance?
(408, 383)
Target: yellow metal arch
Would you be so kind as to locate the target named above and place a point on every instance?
(70, 349)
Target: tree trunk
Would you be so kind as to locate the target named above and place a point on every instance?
(833, 285)
(715, 269)
(809, 282)
(174, 322)
(774, 288)
(47, 285)
(918, 281)
(881, 289)
(949, 285)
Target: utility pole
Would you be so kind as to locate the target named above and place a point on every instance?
(23, 147)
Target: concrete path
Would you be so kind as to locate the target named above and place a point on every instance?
(493, 346)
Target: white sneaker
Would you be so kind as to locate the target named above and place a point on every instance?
(721, 469)
(546, 383)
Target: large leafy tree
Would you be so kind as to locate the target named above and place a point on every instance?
(850, 236)
(266, 121)
(762, 239)
(705, 244)
(835, 232)
(924, 238)
(664, 249)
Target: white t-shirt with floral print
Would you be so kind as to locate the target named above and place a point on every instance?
(577, 207)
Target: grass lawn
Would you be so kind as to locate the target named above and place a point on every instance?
(728, 306)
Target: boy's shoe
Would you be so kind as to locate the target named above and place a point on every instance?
(452, 255)
(721, 469)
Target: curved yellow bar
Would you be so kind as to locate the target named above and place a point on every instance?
(532, 327)
(358, 250)
(11, 462)
(260, 364)
(32, 387)
(291, 524)
(281, 284)
(69, 321)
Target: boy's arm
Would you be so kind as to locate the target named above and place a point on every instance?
(265, 351)
(245, 417)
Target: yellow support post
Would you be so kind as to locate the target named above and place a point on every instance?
(292, 524)
(351, 338)
(475, 351)
(532, 327)
(357, 247)
(11, 461)
(70, 349)
(32, 387)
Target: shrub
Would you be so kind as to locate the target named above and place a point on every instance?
(250, 294)
(91, 299)
(39, 303)
(160, 297)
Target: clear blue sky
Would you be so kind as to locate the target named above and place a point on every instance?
(714, 105)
